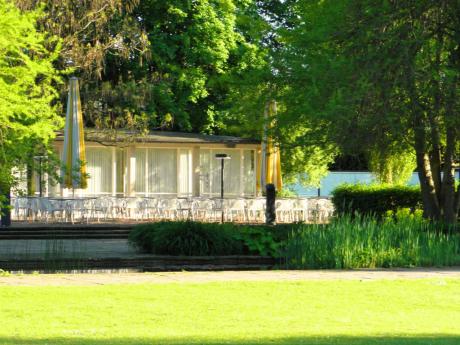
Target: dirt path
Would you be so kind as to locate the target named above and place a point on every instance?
(203, 277)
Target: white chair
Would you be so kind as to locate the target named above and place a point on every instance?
(132, 208)
(284, 211)
(235, 209)
(102, 208)
(204, 210)
(255, 210)
(148, 208)
(21, 208)
(168, 209)
(184, 209)
(49, 208)
(78, 209)
(324, 210)
(300, 210)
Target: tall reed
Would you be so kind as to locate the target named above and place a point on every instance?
(364, 242)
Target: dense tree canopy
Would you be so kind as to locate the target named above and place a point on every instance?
(27, 78)
(154, 64)
(379, 76)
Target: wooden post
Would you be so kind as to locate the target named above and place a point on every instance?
(270, 210)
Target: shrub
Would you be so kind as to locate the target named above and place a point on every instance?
(259, 240)
(186, 238)
(377, 200)
(365, 242)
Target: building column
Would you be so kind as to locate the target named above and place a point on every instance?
(131, 171)
(114, 171)
(196, 171)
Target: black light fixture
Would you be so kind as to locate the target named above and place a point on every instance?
(222, 157)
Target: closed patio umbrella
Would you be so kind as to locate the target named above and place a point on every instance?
(74, 173)
(270, 163)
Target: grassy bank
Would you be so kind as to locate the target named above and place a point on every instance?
(364, 242)
(347, 242)
(309, 312)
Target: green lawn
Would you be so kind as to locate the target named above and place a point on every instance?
(310, 312)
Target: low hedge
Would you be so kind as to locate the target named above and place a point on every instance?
(186, 238)
(196, 239)
(375, 200)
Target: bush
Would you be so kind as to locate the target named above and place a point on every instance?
(365, 242)
(376, 200)
(186, 238)
(194, 238)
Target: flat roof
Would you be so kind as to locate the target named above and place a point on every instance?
(119, 136)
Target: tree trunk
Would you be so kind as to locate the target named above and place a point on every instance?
(427, 185)
(429, 197)
(448, 182)
(434, 118)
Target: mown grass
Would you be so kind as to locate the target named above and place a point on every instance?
(365, 242)
(310, 312)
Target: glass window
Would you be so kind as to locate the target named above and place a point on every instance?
(162, 171)
(139, 174)
(185, 172)
(99, 168)
(205, 172)
(249, 181)
(238, 179)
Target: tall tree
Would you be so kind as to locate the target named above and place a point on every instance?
(154, 64)
(383, 76)
(27, 78)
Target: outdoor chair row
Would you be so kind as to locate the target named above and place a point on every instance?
(106, 208)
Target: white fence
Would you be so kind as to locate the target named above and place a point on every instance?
(35, 209)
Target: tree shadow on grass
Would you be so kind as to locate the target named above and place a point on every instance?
(332, 340)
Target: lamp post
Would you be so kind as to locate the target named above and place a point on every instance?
(222, 157)
(40, 173)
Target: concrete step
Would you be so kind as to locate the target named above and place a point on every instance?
(65, 231)
(63, 236)
(71, 227)
(149, 263)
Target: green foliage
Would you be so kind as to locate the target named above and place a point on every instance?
(194, 238)
(364, 242)
(375, 200)
(378, 78)
(186, 238)
(392, 168)
(259, 240)
(91, 33)
(27, 89)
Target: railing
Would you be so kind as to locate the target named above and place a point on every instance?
(97, 209)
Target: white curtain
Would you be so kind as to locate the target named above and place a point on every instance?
(120, 174)
(99, 168)
(185, 172)
(231, 173)
(210, 168)
(205, 172)
(162, 171)
(140, 173)
(249, 179)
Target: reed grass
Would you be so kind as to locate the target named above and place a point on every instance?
(364, 242)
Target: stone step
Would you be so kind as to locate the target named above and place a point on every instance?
(63, 236)
(63, 231)
(56, 231)
(54, 226)
(151, 263)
